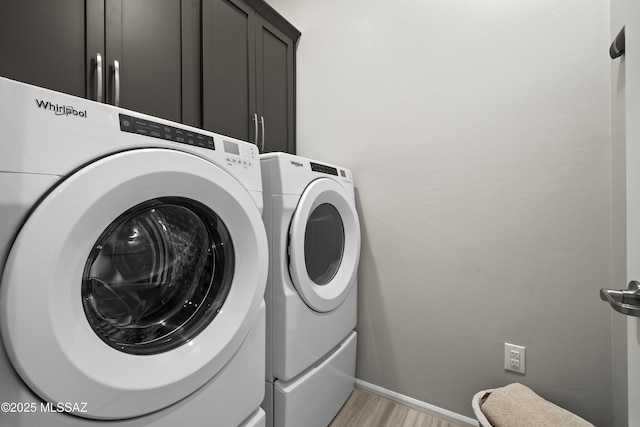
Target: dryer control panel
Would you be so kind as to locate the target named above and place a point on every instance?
(329, 170)
(317, 167)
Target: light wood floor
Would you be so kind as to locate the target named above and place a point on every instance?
(371, 410)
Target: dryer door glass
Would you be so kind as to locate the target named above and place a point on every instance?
(323, 243)
(158, 275)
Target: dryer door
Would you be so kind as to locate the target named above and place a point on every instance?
(324, 246)
(133, 283)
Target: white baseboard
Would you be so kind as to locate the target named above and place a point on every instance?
(417, 404)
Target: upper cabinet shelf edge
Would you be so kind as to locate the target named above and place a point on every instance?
(271, 15)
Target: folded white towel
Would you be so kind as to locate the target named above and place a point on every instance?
(516, 405)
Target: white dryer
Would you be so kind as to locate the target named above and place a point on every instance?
(133, 264)
(314, 237)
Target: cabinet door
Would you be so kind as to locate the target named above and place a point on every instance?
(228, 74)
(145, 37)
(275, 88)
(43, 43)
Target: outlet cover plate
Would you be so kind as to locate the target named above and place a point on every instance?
(514, 358)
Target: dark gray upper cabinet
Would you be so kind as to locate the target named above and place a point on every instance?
(57, 45)
(225, 65)
(144, 36)
(275, 88)
(43, 43)
(228, 68)
(146, 47)
(248, 73)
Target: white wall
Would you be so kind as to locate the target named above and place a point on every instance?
(478, 133)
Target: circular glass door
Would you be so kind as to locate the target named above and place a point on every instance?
(158, 275)
(324, 245)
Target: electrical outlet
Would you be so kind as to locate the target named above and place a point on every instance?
(514, 358)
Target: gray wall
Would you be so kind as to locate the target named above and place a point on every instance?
(478, 134)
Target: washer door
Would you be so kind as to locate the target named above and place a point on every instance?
(133, 283)
(324, 246)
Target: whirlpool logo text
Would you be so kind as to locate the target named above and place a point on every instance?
(61, 110)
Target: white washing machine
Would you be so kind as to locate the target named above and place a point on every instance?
(314, 237)
(134, 262)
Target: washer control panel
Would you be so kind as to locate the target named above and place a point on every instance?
(166, 132)
(243, 155)
(235, 152)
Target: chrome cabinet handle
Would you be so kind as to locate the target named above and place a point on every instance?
(116, 83)
(98, 77)
(262, 124)
(624, 301)
(255, 125)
